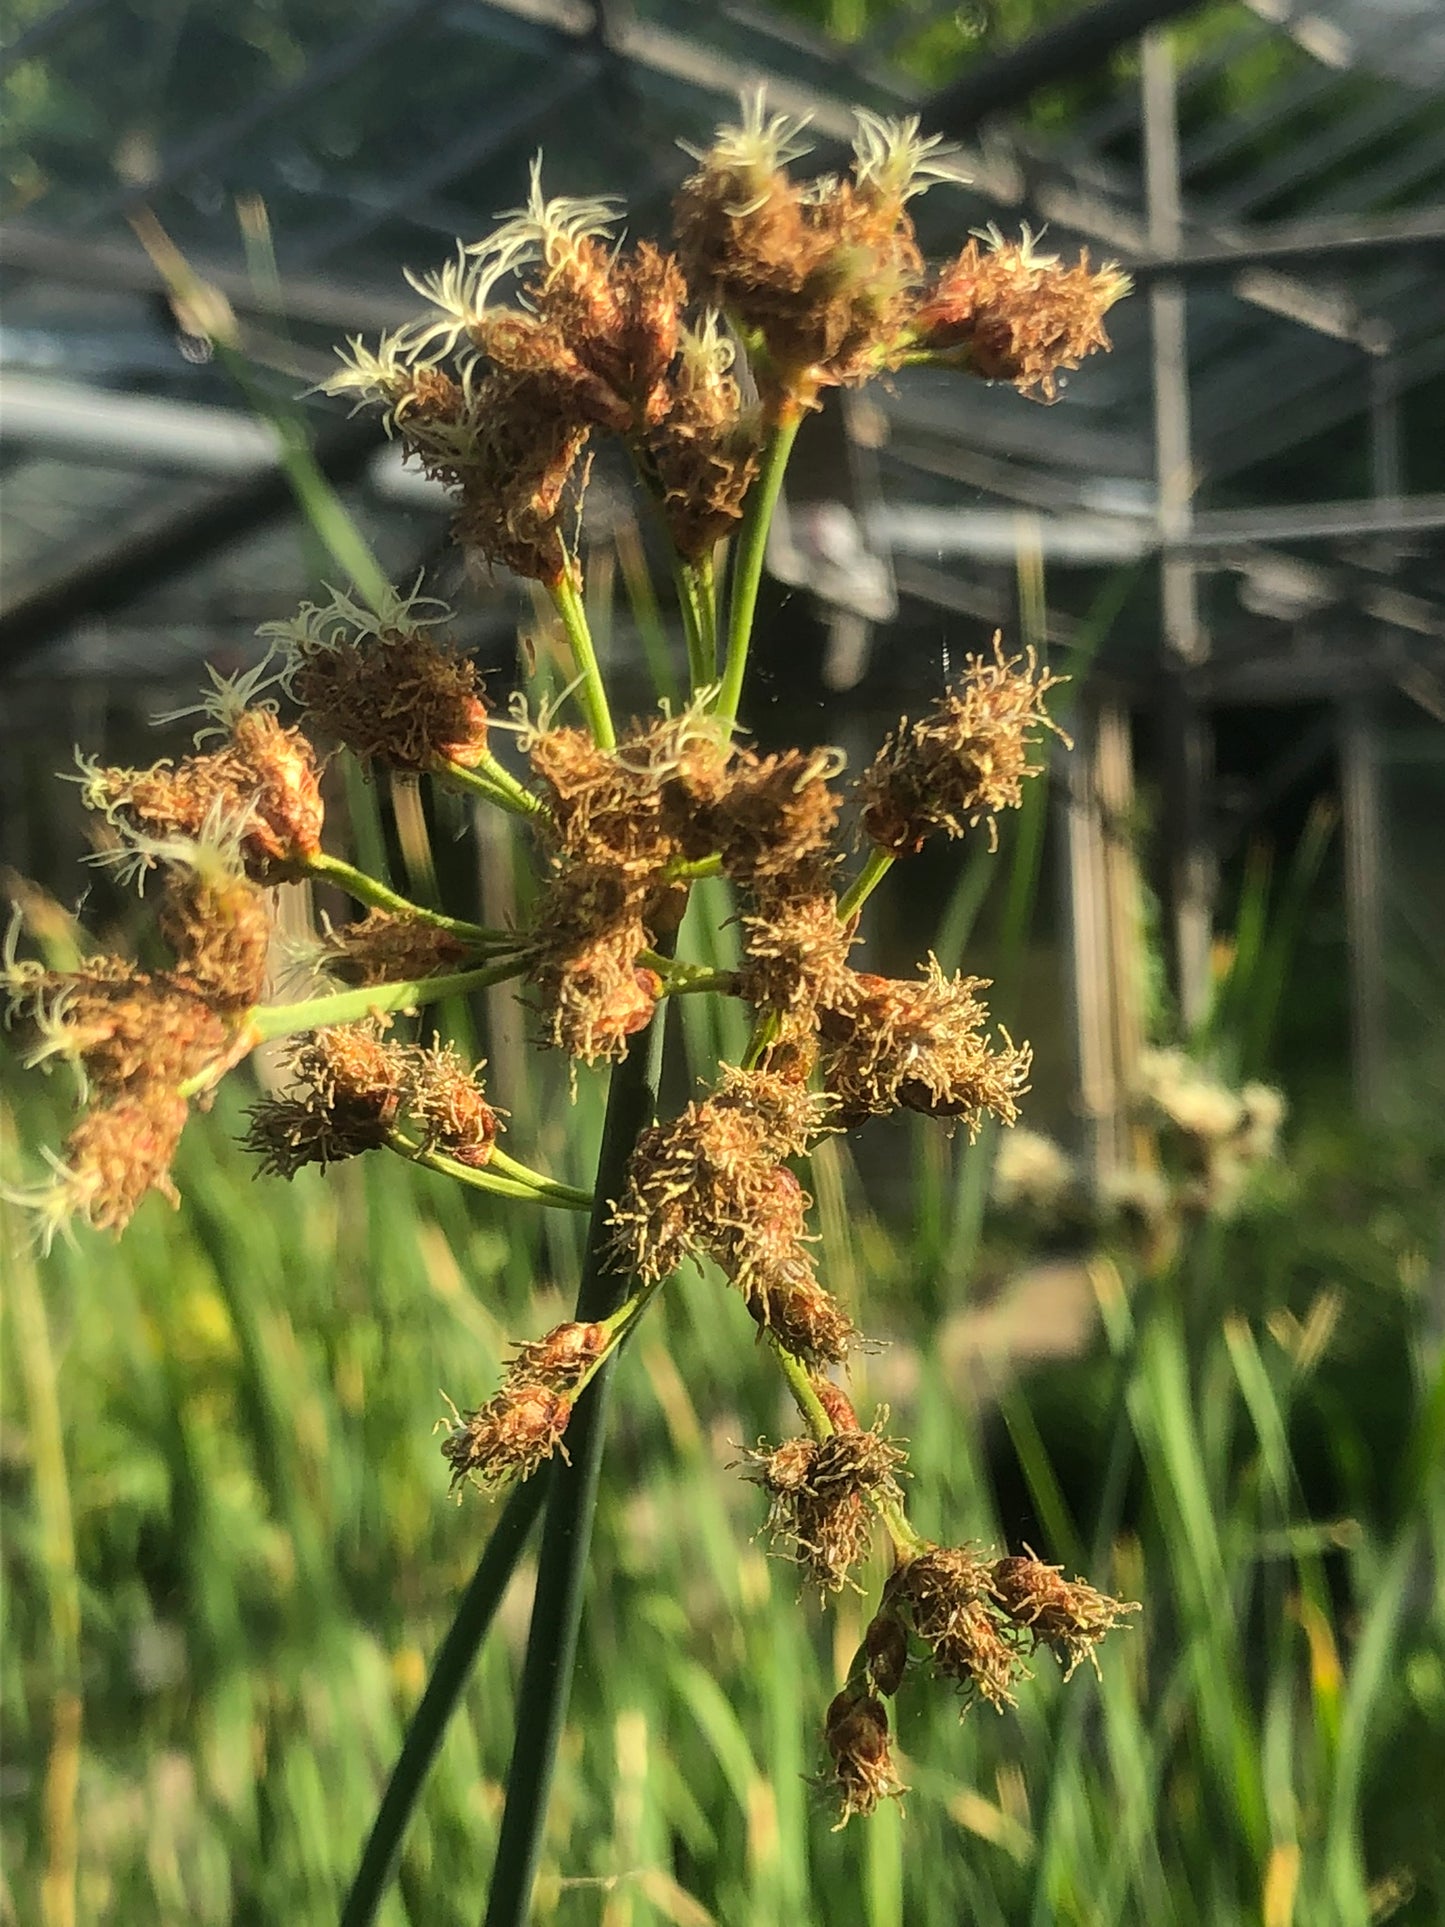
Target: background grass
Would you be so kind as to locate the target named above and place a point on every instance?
(229, 1540)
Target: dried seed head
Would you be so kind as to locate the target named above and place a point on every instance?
(965, 760)
(1008, 313)
(349, 1087)
(921, 1044)
(116, 1154)
(947, 1592)
(509, 1436)
(126, 1032)
(1070, 1617)
(771, 816)
(705, 447)
(376, 682)
(382, 948)
(822, 272)
(562, 1358)
(804, 1318)
(446, 1100)
(219, 924)
(856, 1731)
(820, 1491)
(709, 1183)
(796, 950)
(263, 782)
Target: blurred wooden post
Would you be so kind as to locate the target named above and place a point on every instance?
(1183, 726)
(1105, 932)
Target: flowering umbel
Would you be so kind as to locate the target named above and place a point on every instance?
(538, 341)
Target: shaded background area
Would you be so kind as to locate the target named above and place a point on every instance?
(228, 1557)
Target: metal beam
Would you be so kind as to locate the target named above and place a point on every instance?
(225, 135)
(1074, 46)
(1337, 244)
(165, 541)
(119, 269)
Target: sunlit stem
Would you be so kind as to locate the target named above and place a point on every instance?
(864, 884)
(351, 1006)
(531, 1188)
(491, 781)
(697, 598)
(369, 889)
(679, 978)
(567, 600)
(702, 866)
(752, 547)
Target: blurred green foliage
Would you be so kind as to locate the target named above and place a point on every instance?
(250, 1513)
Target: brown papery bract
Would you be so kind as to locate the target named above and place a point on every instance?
(383, 948)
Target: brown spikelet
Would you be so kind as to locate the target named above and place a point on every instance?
(921, 1044)
(856, 1732)
(397, 698)
(1008, 313)
(964, 761)
(1068, 1616)
(383, 948)
(820, 1490)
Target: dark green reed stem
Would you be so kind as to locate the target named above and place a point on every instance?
(567, 1533)
(444, 1689)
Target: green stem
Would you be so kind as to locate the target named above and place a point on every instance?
(500, 1175)
(370, 889)
(267, 1021)
(752, 547)
(864, 884)
(567, 600)
(491, 781)
(695, 595)
(561, 1566)
(453, 1664)
(699, 866)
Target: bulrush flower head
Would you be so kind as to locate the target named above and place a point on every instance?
(1068, 1616)
(262, 780)
(217, 921)
(563, 1357)
(704, 448)
(347, 1089)
(382, 948)
(820, 1491)
(796, 952)
(711, 1183)
(823, 272)
(375, 681)
(921, 1044)
(446, 1101)
(124, 1031)
(965, 760)
(802, 1315)
(120, 1150)
(857, 1737)
(947, 1593)
(508, 1437)
(1008, 313)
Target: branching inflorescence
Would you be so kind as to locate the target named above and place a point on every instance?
(538, 339)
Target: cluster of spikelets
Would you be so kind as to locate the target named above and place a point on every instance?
(821, 281)
(973, 1622)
